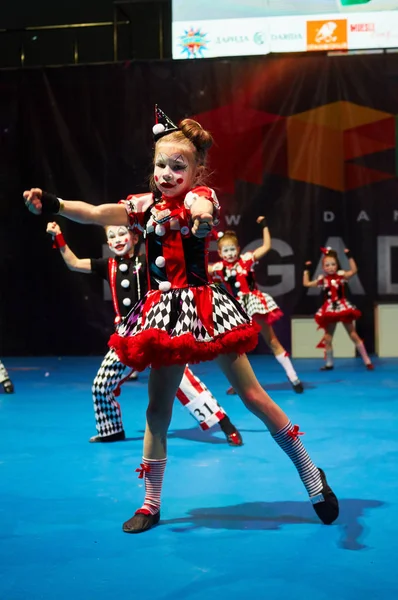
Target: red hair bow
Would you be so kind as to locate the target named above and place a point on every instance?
(326, 250)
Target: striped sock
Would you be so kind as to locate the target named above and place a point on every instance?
(153, 472)
(287, 439)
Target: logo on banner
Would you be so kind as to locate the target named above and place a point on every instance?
(193, 42)
(259, 38)
(362, 27)
(327, 35)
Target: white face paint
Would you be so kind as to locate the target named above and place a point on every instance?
(229, 252)
(329, 266)
(174, 171)
(120, 239)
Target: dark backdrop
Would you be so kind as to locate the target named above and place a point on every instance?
(309, 141)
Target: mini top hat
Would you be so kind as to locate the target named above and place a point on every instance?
(163, 125)
(326, 251)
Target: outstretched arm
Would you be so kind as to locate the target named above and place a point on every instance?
(266, 245)
(39, 202)
(353, 265)
(307, 282)
(82, 265)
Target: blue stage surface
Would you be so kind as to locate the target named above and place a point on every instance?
(236, 522)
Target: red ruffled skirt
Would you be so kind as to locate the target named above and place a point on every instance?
(341, 311)
(186, 325)
(262, 305)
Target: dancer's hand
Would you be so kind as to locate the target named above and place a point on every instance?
(259, 219)
(32, 199)
(202, 225)
(53, 228)
(307, 265)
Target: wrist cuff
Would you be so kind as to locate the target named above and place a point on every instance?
(59, 241)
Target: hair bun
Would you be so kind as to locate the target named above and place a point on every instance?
(194, 131)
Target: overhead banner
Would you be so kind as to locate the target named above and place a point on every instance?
(308, 142)
(295, 31)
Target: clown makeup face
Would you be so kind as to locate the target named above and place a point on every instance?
(229, 251)
(175, 169)
(120, 239)
(329, 265)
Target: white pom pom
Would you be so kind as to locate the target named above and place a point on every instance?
(160, 230)
(165, 286)
(160, 262)
(158, 128)
(233, 273)
(125, 283)
(123, 267)
(126, 301)
(220, 234)
(237, 284)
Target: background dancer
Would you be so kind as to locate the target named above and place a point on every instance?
(336, 308)
(126, 274)
(183, 317)
(5, 380)
(236, 272)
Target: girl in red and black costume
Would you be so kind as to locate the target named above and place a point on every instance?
(125, 273)
(183, 317)
(336, 308)
(236, 272)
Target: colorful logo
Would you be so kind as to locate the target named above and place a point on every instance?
(327, 35)
(193, 42)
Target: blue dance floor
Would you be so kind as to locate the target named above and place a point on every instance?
(236, 522)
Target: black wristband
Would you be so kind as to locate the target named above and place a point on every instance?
(50, 204)
(263, 223)
(348, 254)
(307, 267)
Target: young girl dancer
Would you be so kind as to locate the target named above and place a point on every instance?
(127, 279)
(183, 318)
(336, 308)
(236, 272)
(5, 380)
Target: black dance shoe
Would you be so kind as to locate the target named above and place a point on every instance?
(141, 522)
(102, 439)
(327, 368)
(297, 386)
(8, 386)
(325, 503)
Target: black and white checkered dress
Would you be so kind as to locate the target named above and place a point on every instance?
(183, 318)
(238, 278)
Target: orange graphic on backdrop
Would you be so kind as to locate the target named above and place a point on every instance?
(327, 35)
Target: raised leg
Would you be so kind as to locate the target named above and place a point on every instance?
(241, 376)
